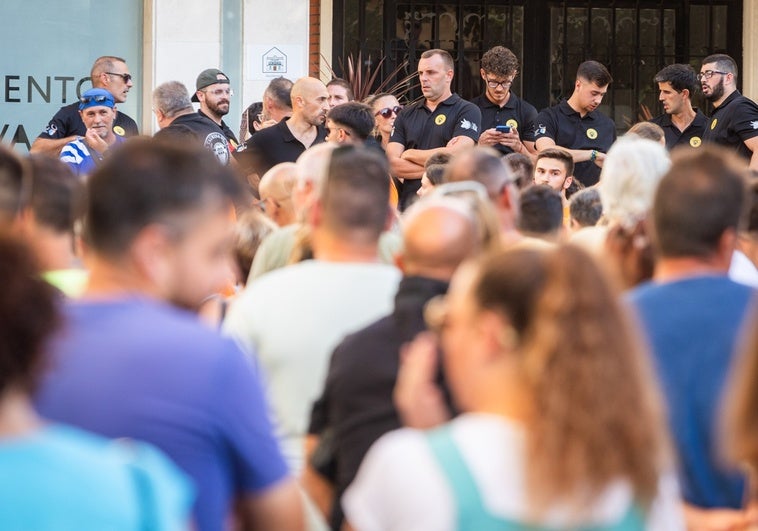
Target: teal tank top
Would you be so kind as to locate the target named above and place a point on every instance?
(471, 513)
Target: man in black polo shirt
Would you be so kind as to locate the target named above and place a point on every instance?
(576, 125)
(109, 73)
(682, 125)
(442, 122)
(286, 141)
(734, 122)
(213, 93)
(500, 106)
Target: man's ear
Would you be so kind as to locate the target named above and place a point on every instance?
(150, 253)
(568, 181)
(315, 213)
(483, 74)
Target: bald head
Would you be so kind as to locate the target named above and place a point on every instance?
(480, 164)
(311, 169)
(275, 190)
(310, 101)
(438, 234)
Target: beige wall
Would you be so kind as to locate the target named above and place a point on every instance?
(750, 49)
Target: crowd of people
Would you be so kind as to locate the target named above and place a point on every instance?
(448, 315)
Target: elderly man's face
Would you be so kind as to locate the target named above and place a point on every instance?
(99, 118)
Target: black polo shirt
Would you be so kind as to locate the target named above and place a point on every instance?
(225, 128)
(692, 136)
(733, 122)
(271, 146)
(569, 130)
(418, 127)
(516, 113)
(68, 122)
(206, 131)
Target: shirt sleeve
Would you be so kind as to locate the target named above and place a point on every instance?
(745, 122)
(243, 416)
(58, 127)
(544, 126)
(526, 133)
(398, 130)
(469, 122)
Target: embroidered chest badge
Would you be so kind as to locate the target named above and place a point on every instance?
(119, 130)
(713, 123)
(695, 141)
(513, 123)
(591, 134)
(440, 119)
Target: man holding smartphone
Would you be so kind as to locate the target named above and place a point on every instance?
(506, 119)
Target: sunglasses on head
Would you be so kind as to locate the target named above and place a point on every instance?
(126, 77)
(97, 99)
(387, 111)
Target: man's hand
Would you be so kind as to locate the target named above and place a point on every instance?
(698, 519)
(94, 141)
(417, 397)
(491, 137)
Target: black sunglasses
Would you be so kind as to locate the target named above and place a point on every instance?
(126, 77)
(97, 99)
(387, 111)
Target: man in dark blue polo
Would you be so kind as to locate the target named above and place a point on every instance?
(576, 125)
(682, 125)
(442, 122)
(734, 122)
(501, 107)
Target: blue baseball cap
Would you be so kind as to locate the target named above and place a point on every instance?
(96, 97)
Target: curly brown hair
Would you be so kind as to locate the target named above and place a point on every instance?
(597, 414)
(28, 311)
(500, 61)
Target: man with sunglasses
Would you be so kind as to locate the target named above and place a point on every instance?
(501, 107)
(97, 110)
(734, 122)
(109, 73)
(213, 93)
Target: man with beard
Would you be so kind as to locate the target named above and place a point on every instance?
(286, 141)
(213, 94)
(734, 122)
(97, 109)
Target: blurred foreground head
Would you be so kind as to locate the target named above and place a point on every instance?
(161, 216)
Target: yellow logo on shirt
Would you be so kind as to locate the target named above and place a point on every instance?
(513, 123)
(119, 130)
(713, 123)
(695, 141)
(591, 134)
(440, 119)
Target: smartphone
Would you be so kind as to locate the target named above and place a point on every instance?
(503, 128)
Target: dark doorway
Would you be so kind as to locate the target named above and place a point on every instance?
(634, 38)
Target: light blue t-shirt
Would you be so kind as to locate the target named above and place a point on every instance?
(61, 478)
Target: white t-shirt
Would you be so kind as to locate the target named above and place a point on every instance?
(400, 484)
(742, 270)
(291, 320)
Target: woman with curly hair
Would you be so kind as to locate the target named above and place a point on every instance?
(561, 425)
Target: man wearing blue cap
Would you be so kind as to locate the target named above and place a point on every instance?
(97, 111)
(108, 72)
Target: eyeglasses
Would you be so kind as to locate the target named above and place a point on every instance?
(708, 74)
(220, 92)
(89, 99)
(126, 77)
(491, 83)
(388, 111)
